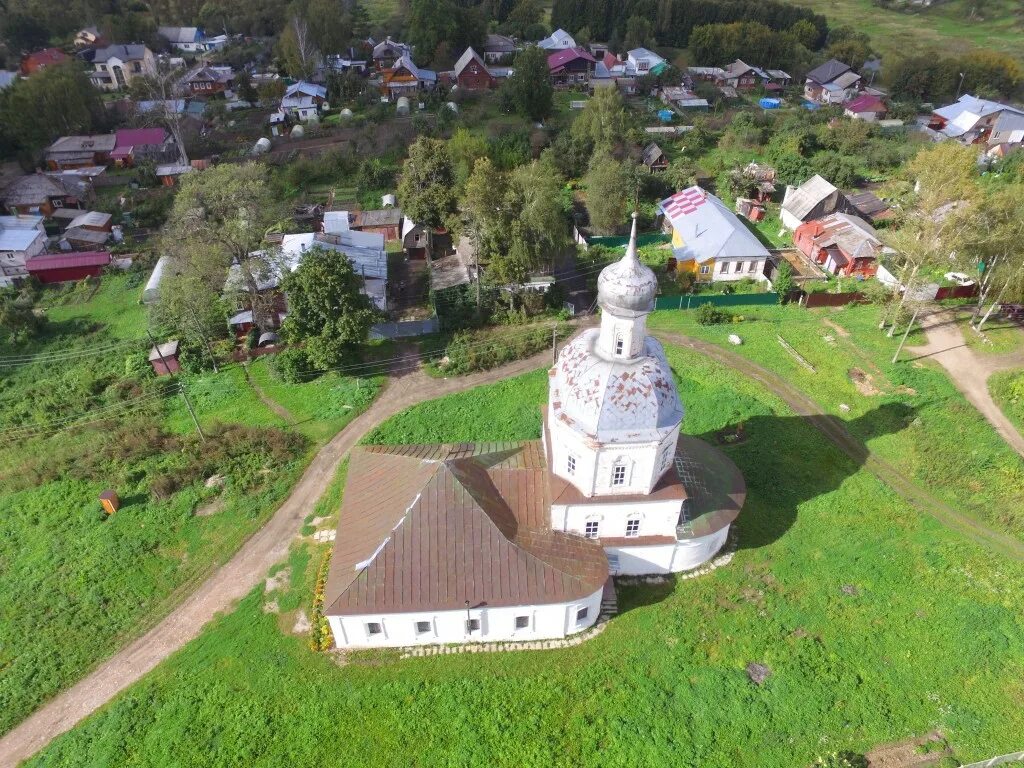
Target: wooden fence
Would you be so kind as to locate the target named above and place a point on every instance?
(956, 292)
(814, 300)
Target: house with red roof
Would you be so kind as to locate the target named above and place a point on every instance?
(132, 145)
(571, 68)
(67, 267)
(48, 57)
(471, 73)
(842, 244)
(865, 107)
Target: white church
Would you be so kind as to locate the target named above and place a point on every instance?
(484, 542)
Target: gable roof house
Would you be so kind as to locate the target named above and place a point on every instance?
(831, 83)
(640, 62)
(21, 238)
(813, 199)
(43, 193)
(132, 145)
(406, 79)
(88, 37)
(191, 39)
(79, 151)
(571, 67)
(743, 76)
(208, 81)
(115, 66)
(1008, 131)
(471, 73)
(39, 60)
(842, 244)
(557, 40)
(711, 241)
(387, 52)
(654, 158)
(865, 107)
(498, 48)
(970, 120)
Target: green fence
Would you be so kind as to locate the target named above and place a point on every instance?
(692, 301)
(641, 240)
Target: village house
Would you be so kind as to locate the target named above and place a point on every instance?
(743, 76)
(1007, 133)
(79, 151)
(653, 158)
(705, 74)
(841, 244)
(640, 62)
(134, 145)
(21, 238)
(385, 221)
(709, 240)
(557, 40)
(67, 267)
(89, 37)
(865, 107)
(571, 68)
(87, 232)
(406, 79)
(499, 49)
(43, 193)
(683, 98)
(115, 66)
(169, 173)
(387, 53)
(971, 120)
(471, 73)
(832, 83)
(869, 206)
(813, 199)
(518, 541)
(191, 39)
(208, 80)
(417, 240)
(40, 60)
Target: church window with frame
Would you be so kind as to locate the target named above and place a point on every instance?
(619, 474)
(570, 464)
(619, 345)
(633, 527)
(373, 628)
(591, 528)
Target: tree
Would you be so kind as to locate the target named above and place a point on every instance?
(297, 48)
(990, 73)
(330, 23)
(427, 187)
(431, 23)
(606, 193)
(465, 148)
(327, 311)
(783, 283)
(806, 34)
(1001, 226)
(24, 32)
(603, 121)
(529, 89)
(57, 101)
(18, 319)
(639, 33)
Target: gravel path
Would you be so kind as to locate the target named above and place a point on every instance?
(969, 371)
(407, 386)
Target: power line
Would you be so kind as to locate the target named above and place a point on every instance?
(13, 361)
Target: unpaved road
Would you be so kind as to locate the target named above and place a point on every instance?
(407, 386)
(968, 370)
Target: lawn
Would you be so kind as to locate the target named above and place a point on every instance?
(943, 27)
(876, 622)
(76, 585)
(998, 337)
(1007, 389)
(975, 471)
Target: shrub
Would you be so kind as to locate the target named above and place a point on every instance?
(290, 365)
(481, 351)
(841, 760)
(709, 314)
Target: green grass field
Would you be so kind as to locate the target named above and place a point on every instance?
(944, 27)
(976, 472)
(1007, 389)
(877, 624)
(76, 585)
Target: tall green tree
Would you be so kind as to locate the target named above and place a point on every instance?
(427, 186)
(327, 311)
(603, 121)
(607, 193)
(529, 91)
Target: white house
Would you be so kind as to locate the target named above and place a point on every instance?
(191, 39)
(21, 238)
(832, 83)
(557, 41)
(517, 541)
(641, 61)
(971, 120)
(115, 66)
(711, 241)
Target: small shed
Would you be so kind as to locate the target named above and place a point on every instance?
(63, 268)
(654, 158)
(164, 358)
(110, 501)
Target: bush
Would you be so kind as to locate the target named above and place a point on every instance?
(290, 365)
(709, 314)
(481, 351)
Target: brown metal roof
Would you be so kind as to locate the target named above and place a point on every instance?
(428, 527)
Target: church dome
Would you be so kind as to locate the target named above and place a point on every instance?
(627, 287)
(615, 401)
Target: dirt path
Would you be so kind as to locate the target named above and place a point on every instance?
(407, 386)
(272, 404)
(969, 371)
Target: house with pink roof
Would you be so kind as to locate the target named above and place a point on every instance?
(132, 145)
(865, 107)
(571, 68)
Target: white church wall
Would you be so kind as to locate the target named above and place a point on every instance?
(656, 518)
(546, 622)
(691, 553)
(684, 555)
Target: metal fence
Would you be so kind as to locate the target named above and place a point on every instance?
(692, 301)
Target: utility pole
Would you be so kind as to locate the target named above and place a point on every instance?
(206, 341)
(181, 385)
(554, 344)
(905, 334)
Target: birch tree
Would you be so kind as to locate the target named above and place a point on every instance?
(1000, 251)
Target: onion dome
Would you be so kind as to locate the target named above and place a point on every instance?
(627, 288)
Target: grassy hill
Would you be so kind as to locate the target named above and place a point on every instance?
(944, 26)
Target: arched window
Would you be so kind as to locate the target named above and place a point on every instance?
(619, 474)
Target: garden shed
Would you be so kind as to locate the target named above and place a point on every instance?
(164, 358)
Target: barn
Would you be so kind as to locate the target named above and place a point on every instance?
(65, 267)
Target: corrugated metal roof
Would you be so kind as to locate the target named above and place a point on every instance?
(63, 260)
(802, 200)
(428, 527)
(708, 229)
